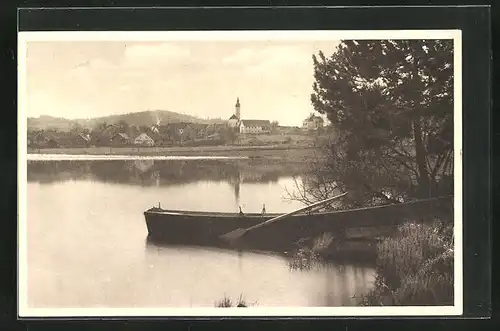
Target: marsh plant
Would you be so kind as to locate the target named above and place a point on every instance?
(415, 267)
(227, 302)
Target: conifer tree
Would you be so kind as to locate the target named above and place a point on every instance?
(390, 104)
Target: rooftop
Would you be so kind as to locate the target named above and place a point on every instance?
(255, 122)
(123, 135)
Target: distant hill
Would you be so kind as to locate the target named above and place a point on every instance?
(48, 122)
(144, 118)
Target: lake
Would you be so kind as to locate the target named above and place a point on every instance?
(87, 244)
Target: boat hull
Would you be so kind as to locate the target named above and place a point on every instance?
(196, 228)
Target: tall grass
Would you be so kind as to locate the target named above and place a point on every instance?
(415, 267)
(226, 302)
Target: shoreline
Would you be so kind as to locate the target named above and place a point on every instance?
(269, 152)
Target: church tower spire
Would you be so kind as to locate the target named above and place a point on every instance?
(237, 107)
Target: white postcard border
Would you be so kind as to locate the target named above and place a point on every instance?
(24, 37)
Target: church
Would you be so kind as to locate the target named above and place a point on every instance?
(247, 126)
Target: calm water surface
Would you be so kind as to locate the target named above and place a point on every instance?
(87, 238)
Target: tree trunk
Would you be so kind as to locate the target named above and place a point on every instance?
(423, 172)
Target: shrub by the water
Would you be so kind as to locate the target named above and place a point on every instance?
(305, 258)
(415, 267)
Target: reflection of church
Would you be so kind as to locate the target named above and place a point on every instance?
(248, 176)
(235, 182)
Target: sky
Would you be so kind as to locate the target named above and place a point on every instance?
(86, 79)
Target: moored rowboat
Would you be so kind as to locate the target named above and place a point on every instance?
(205, 228)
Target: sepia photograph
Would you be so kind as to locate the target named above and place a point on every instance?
(240, 173)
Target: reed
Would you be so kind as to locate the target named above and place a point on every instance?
(415, 267)
(226, 302)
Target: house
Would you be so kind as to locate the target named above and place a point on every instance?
(78, 140)
(144, 140)
(312, 123)
(164, 135)
(120, 139)
(255, 126)
(84, 136)
(183, 131)
(110, 131)
(102, 135)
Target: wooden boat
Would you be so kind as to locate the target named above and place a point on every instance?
(206, 228)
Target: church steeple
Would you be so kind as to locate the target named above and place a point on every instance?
(237, 106)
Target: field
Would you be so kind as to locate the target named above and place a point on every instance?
(275, 139)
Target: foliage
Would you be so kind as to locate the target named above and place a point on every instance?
(310, 255)
(229, 135)
(390, 104)
(415, 268)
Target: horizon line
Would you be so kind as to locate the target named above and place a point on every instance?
(121, 114)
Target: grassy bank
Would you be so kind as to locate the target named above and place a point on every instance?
(415, 267)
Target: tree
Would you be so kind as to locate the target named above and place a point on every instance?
(390, 104)
(274, 126)
(123, 126)
(76, 128)
(229, 135)
(96, 136)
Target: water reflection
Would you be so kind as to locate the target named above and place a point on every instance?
(161, 173)
(86, 234)
(154, 173)
(262, 278)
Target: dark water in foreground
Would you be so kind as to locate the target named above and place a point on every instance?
(87, 238)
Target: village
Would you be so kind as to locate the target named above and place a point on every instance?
(235, 131)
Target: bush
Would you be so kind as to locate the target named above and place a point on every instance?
(415, 267)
